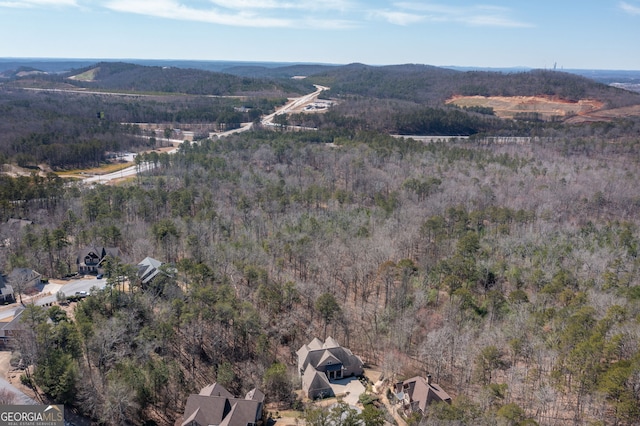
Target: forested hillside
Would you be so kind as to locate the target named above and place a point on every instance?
(61, 130)
(430, 85)
(507, 268)
(508, 272)
(128, 77)
(67, 130)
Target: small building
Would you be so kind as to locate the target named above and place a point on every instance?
(90, 260)
(10, 329)
(214, 405)
(6, 291)
(417, 393)
(24, 279)
(148, 268)
(320, 363)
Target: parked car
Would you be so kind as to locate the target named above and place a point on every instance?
(99, 276)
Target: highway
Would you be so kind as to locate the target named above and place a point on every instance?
(293, 104)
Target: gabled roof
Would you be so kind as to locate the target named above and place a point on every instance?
(327, 359)
(15, 323)
(99, 252)
(315, 344)
(313, 380)
(242, 413)
(421, 393)
(346, 357)
(5, 289)
(215, 390)
(22, 275)
(206, 410)
(309, 356)
(330, 342)
(148, 268)
(192, 417)
(255, 395)
(214, 405)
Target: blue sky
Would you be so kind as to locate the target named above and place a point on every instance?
(597, 34)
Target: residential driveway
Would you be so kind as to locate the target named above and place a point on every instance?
(47, 294)
(20, 398)
(350, 389)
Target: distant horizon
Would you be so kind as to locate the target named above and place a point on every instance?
(274, 62)
(489, 34)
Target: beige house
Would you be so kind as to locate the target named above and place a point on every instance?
(9, 330)
(416, 394)
(320, 363)
(214, 405)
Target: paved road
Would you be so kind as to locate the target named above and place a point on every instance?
(129, 171)
(267, 121)
(294, 104)
(21, 398)
(69, 289)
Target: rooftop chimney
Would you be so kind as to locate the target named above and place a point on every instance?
(429, 379)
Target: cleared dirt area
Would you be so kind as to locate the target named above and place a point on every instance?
(546, 107)
(606, 115)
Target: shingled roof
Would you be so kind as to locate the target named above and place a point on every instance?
(215, 405)
(148, 268)
(320, 361)
(419, 393)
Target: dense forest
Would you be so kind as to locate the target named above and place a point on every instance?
(508, 270)
(75, 130)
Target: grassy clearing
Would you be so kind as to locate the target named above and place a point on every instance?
(89, 75)
(102, 170)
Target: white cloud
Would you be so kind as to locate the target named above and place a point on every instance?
(630, 8)
(37, 3)
(241, 13)
(311, 5)
(173, 10)
(397, 17)
(480, 15)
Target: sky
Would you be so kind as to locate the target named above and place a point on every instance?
(573, 34)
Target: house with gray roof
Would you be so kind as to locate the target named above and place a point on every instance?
(6, 290)
(214, 405)
(148, 268)
(320, 363)
(9, 330)
(91, 260)
(416, 394)
(23, 281)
